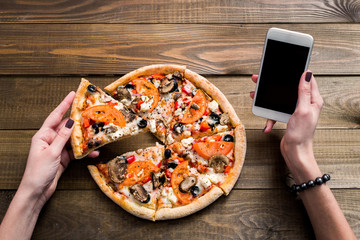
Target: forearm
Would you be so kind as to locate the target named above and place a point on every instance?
(324, 212)
(22, 214)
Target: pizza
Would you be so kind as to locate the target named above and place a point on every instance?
(202, 147)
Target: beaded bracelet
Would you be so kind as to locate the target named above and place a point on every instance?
(318, 181)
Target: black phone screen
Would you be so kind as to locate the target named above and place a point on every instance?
(282, 67)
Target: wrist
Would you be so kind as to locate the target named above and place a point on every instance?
(301, 162)
(31, 196)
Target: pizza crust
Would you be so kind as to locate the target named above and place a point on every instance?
(147, 70)
(197, 205)
(239, 156)
(77, 136)
(122, 201)
(215, 93)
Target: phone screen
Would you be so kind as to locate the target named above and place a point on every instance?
(282, 67)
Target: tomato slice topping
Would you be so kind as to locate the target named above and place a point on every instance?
(105, 113)
(179, 174)
(208, 149)
(139, 171)
(192, 114)
(146, 88)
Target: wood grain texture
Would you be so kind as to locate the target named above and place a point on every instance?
(26, 101)
(336, 151)
(180, 11)
(204, 48)
(244, 214)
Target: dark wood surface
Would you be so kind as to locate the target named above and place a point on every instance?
(47, 46)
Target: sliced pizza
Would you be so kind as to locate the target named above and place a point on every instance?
(200, 111)
(149, 92)
(132, 180)
(218, 157)
(100, 119)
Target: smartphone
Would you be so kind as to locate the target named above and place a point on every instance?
(286, 56)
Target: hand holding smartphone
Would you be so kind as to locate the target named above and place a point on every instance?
(286, 56)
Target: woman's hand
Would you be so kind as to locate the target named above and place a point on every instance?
(296, 145)
(50, 152)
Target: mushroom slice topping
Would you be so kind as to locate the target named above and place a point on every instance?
(224, 119)
(187, 183)
(217, 162)
(168, 85)
(158, 179)
(122, 93)
(117, 169)
(139, 193)
(177, 75)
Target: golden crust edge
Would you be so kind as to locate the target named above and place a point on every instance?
(239, 156)
(76, 136)
(131, 207)
(146, 70)
(183, 211)
(204, 84)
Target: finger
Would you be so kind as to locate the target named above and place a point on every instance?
(62, 137)
(315, 94)
(62, 123)
(252, 94)
(304, 92)
(254, 78)
(55, 116)
(269, 125)
(94, 154)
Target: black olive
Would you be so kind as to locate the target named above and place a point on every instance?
(91, 88)
(195, 190)
(178, 128)
(93, 143)
(142, 123)
(167, 153)
(215, 117)
(175, 87)
(228, 138)
(101, 125)
(129, 85)
(172, 165)
(96, 128)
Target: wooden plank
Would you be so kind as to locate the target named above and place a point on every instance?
(204, 48)
(244, 214)
(174, 11)
(337, 152)
(26, 101)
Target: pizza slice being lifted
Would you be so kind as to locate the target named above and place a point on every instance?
(100, 119)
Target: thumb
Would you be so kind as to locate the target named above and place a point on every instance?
(304, 92)
(62, 137)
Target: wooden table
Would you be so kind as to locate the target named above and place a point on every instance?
(45, 48)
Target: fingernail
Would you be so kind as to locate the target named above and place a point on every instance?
(308, 76)
(69, 123)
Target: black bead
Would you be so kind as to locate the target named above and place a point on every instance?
(293, 188)
(298, 188)
(228, 138)
(142, 123)
(167, 153)
(318, 181)
(310, 184)
(303, 186)
(91, 88)
(195, 190)
(325, 177)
